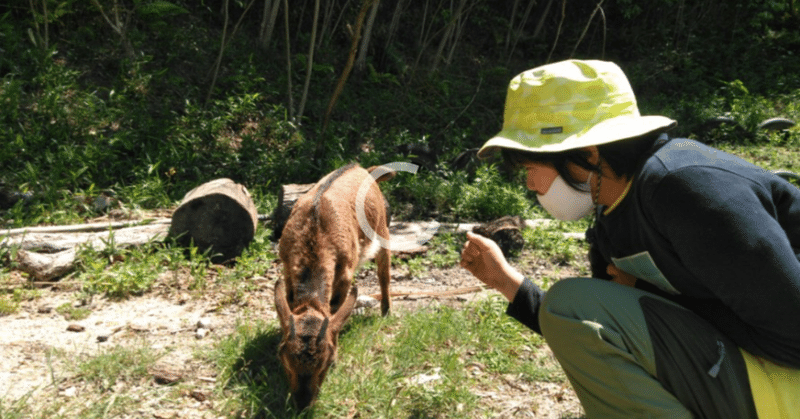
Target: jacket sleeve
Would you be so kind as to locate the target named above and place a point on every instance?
(725, 229)
(525, 307)
(597, 263)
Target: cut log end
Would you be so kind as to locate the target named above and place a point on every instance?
(218, 217)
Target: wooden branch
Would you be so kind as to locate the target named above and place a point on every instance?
(82, 228)
(53, 239)
(597, 8)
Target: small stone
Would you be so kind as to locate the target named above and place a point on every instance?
(200, 333)
(45, 309)
(74, 327)
(199, 395)
(103, 336)
(165, 415)
(204, 323)
(166, 377)
(139, 326)
(69, 392)
(366, 301)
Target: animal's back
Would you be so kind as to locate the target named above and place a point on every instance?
(323, 230)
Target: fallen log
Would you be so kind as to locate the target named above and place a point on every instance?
(48, 253)
(219, 217)
(53, 239)
(287, 196)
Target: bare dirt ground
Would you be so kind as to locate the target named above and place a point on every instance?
(170, 322)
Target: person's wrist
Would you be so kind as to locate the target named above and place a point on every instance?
(511, 284)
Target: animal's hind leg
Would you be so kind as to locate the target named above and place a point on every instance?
(382, 259)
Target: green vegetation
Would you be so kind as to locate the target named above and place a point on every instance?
(139, 101)
(70, 312)
(425, 364)
(135, 100)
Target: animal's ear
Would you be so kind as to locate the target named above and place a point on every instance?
(341, 316)
(282, 306)
(384, 173)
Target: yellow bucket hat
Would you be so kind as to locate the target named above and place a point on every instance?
(571, 104)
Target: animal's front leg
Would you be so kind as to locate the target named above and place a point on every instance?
(341, 287)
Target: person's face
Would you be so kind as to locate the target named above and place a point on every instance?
(540, 177)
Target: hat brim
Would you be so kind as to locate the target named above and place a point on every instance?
(608, 131)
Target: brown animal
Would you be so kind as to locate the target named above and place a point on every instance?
(321, 246)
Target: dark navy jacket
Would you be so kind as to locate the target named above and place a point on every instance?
(714, 233)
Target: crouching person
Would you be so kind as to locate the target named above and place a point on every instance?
(694, 303)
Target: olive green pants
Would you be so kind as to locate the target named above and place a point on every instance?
(631, 354)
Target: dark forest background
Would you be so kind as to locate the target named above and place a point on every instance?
(143, 99)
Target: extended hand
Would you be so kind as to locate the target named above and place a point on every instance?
(483, 258)
(620, 277)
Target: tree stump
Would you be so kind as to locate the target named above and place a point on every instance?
(288, 195)
(506, 232)
(218, 216)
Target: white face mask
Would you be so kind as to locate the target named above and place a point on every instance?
(565, 203)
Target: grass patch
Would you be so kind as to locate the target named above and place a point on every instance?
(423, 364)
(549, 241)
(119, 364)
(70, 312)
(8, 306)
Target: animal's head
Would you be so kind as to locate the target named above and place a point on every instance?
(308, 346)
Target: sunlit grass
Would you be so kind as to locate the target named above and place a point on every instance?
(429, 360)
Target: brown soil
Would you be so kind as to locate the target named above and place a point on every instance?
(167, 320)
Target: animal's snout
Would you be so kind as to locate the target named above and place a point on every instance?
(306, 393)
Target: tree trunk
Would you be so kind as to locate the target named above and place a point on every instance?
(347, 69)
(226, 39)
(327, 17)
(361, 60)
(398, 11)
(218, 216)
(288, 59)
(450, 36)
(310, 63)
(510, 29)
(339, 18)
(221, 52)
(518, 32)
(268, 22)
